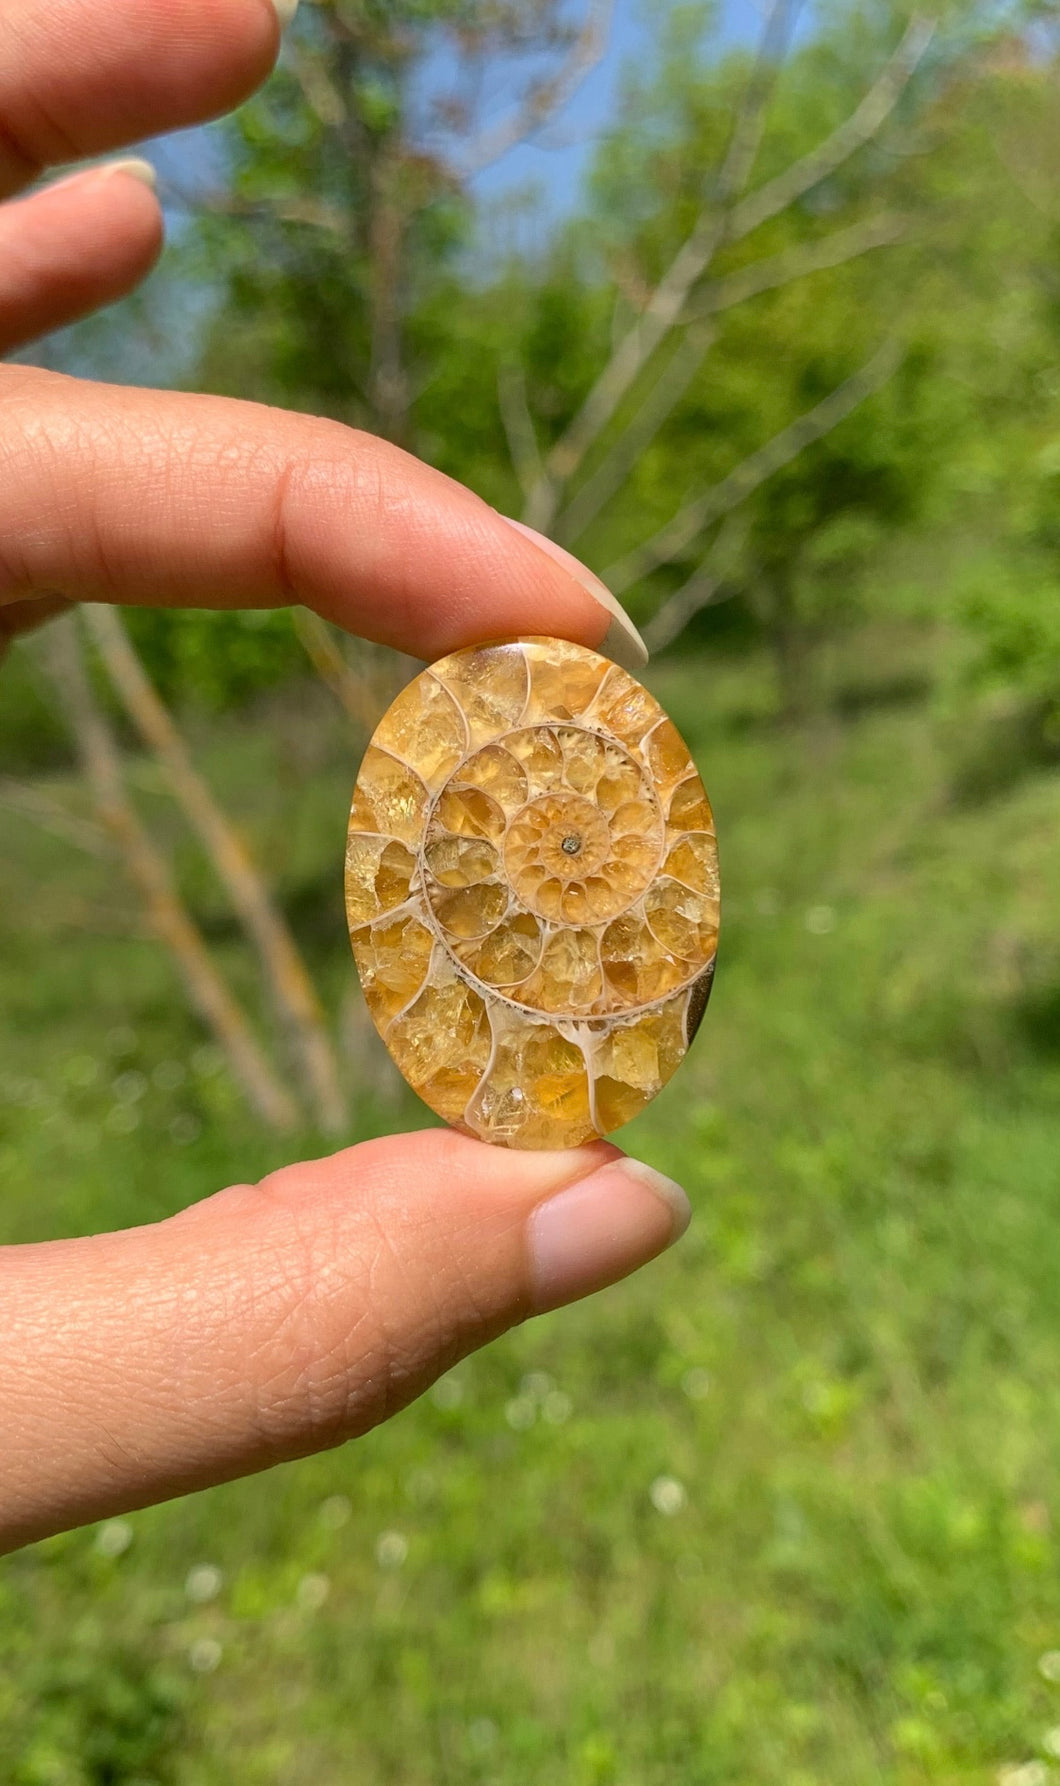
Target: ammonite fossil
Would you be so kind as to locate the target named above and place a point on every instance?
(532, 892)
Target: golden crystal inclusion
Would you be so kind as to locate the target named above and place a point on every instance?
(532, 892)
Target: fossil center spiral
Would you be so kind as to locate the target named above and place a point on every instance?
(555, 842)
(553, 826)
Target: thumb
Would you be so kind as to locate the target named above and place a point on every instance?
(279, 1319)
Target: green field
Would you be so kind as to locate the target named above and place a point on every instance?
(783, 1510)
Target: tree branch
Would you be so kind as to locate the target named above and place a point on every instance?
(783, 269)
(282, 964)
(545, 98)
(723, 294)
(663, 309)
(706, 587)
(865, 122)
(34, 804)
(518, 424)
(699, 592)
(63, 658)
(315, 84)
(355, 691)
(293, 209)
(644, 425)
(679, 533)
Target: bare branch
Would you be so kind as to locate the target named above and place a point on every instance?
(150, 870)
(700, 591)
(624, 452)
(663, 309)
(865, 122)
(316, 85)
(676, 537)
(706, 587)
(724, 294)
(545, 98)
(727, 219)
(291, 208)
(750, 119)
(357, 691)
(518, 424)
(282, 964)
(42, 809)
(795, 263)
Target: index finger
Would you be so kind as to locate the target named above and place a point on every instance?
(168, 499)
(78, 78)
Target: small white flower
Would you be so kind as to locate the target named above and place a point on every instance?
(391, 1550)
(482, 1734)
(114, 1538)
(448, 1392)
(129, 1087)
(536, 1384)
(820, 920)
(667, 1495)
(122, 1120)
(520, 1413)
(30, 1093)
(203, 1583)
(204, 1655)
(1024, 1773)
(83, 1071)
(169, 1075)
(335, 1512)
(696, 1384)
(312, 1591)
(422, 1486)
(557, 1407)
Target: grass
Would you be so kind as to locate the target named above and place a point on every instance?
(783, 1511)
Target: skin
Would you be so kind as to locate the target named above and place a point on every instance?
(275, 1319)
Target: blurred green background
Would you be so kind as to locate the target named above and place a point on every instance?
(783, 1510)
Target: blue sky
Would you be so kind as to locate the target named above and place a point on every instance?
(555, 163)
(553, 166)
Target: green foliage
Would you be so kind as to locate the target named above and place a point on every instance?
(33, 734)
(102, 1709)
(1014, 615)
(350, 276)
(208, 660)
(782, 1509)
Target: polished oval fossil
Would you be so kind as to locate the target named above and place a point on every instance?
(532, 892)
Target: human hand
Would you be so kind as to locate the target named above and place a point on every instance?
(271, 1320)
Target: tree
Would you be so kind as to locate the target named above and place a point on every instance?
(674, 389)
(335, 123)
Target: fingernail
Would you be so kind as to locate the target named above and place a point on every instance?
(135, 167)
(598, 1230)
(622, 642)
(285, 11)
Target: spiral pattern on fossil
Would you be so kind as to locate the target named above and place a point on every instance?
(532, 892)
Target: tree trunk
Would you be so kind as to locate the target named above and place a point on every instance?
(285, 971)
(151, 872)
(388, 389)
(789, 640)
